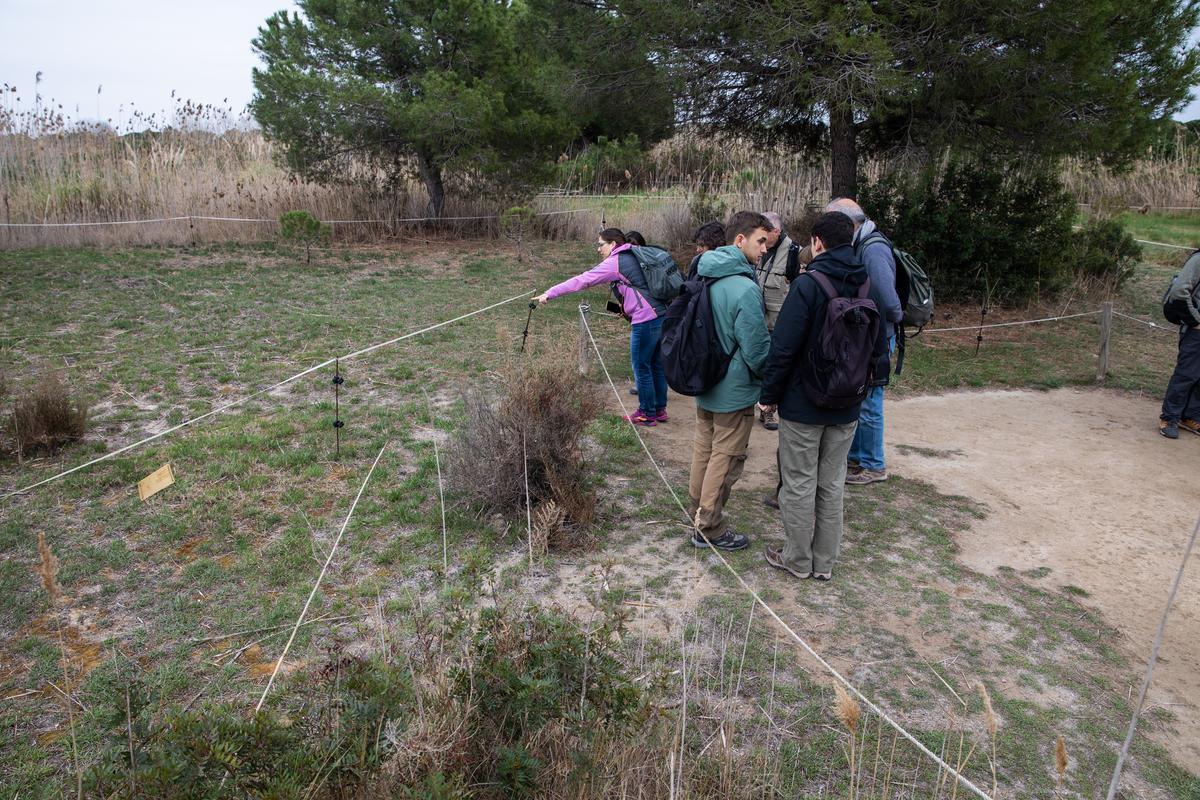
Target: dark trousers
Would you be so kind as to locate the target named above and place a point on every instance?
(1182, 398)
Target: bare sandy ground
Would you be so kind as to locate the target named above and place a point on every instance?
(1076, 481)
(1080, 482)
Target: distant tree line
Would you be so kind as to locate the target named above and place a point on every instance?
(492, 91)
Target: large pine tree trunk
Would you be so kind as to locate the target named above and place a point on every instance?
(431, 176)
(845, 150)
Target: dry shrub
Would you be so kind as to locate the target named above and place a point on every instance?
(46, 417)
(539, 419)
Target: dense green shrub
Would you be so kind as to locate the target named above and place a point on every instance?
(995, 231)
(604, 163)
(1103, 251)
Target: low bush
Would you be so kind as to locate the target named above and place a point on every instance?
(46, 417)
(993, 231)
(493, 710)
(303, 229)
(543, 408)
(1104, 254)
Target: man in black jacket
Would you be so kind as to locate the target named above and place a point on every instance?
(814, 441)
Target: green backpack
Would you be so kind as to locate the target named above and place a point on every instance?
(914, 289)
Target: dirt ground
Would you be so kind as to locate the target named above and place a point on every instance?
(1075, 481)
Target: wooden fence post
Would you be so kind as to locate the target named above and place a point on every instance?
(585, 345)
(1106, 318)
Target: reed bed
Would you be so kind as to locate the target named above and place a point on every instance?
(204, 174)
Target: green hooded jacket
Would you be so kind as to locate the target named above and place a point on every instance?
(737, 307)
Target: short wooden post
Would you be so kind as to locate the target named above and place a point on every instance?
(1106, 318)
(585, 343)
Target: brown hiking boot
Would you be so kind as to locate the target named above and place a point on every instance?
(1190, 425)
(863, 476)
(768, 421)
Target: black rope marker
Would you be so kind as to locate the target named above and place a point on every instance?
(337, 381)
(532, 305)
(979, 336)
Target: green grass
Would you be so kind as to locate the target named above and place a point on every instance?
(154, 336)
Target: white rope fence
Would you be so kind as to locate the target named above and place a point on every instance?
(1165, 244)
(320, 577)
(259, 393)
(1162, 627)
(962, 779)
(259, 220)
(1009, 324)
(1148, 323)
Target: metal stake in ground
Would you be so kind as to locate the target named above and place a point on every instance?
(979, 336)
(532, 305)
(337, 411)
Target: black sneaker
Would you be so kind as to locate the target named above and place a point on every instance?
(771, 501)
(726, 541)
(1169, 428)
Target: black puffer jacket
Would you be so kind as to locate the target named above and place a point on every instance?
(799, 319)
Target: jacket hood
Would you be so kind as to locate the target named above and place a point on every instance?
(724, 261)
(865, 230)
(840, 264)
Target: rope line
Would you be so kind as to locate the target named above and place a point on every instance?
(1164, 244)
(962, 779)
(1162, 627)
(1147, 323)
(1009, 324)
(190, 217)
(259, 393)
(320, 577)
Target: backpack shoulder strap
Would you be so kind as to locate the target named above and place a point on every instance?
(864, 289)
(824, 282)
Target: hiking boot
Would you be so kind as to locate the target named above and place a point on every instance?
(638, 418)
(774, 556)
(633, 390)
(771, 501)
(823, 576)
(1190, 425)
(662, 416)
(862, 476)
(726, 541)
(768, 421)
(1169, 428)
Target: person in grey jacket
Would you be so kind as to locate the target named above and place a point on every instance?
(866, 458)
(773, 279)
(1181, 403)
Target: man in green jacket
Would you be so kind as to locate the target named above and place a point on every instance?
(725, 413)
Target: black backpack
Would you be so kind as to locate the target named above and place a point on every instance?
(838, 365)
(651, 271)
(1175, 310)
(913, 287)
(693, 359)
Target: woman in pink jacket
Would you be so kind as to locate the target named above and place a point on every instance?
(639, 308)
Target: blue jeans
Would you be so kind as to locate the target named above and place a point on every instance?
(867, 448)
(645, 350)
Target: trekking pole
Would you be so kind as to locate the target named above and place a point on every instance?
(532, 305)
(337, 421)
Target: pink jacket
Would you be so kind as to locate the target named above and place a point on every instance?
(637, 308)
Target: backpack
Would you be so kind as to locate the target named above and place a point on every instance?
(693, 359)
(838, 365)
(914, 289)
(653, 272)
(1176, 310)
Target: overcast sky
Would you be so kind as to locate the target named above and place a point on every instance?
(139, 51)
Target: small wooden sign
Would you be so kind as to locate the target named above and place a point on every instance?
(155, 482)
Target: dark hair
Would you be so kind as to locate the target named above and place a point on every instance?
(613, 235)
(633, 237)
(834, 229)
(710, 235)
(744, 223)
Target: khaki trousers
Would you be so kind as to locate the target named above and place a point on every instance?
(812, 466)
(718, 457)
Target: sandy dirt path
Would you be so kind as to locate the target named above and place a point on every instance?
(1074, 480)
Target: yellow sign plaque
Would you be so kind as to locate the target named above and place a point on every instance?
(155, 482)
